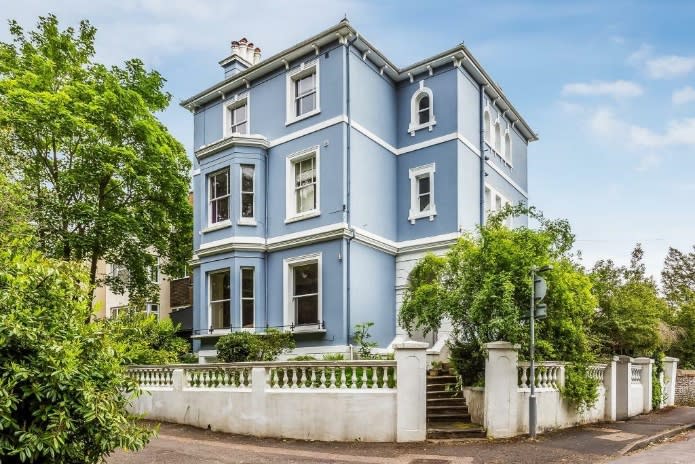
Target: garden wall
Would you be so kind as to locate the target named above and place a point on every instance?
(685, 387)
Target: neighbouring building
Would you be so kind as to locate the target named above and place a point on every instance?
(323, 173)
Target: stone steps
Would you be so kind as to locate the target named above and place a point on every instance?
(447, 411)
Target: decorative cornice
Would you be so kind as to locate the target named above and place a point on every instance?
(256, 141)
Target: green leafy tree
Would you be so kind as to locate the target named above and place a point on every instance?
(63, 391)
(631, 314)
(143, 339)
(678, 282)
(362, 338)
(104, 177)
(483, 286)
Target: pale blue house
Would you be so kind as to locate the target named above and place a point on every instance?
(324, 172)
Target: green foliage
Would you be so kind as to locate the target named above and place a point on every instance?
(580, 389)
(304, 357)
(361, 337)
(141, 338)
(678, 282)
(247, 346)
(483, 285)
(334, 357)
(105, 178)
(630, 312)
(63, 390)
(657, 390)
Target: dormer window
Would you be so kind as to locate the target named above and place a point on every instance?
(421, 110)
(236, 116)
(303, 92)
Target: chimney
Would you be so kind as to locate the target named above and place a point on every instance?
(244, 55)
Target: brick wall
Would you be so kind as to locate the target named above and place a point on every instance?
(181, 292)
(685, 388)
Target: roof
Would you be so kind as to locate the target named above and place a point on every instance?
(458, 55)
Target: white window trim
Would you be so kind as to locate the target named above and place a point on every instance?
(244, 221)
(303, 69)
(414, 117)
(235, 102)
(498, 135)
(492, 207)
(508, 154)
(287, 283)
(291, 214)
(209, 295)
(414, 212)
(241, 298)
(148, 309)
(224, 223)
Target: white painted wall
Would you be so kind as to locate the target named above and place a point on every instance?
(333, 412)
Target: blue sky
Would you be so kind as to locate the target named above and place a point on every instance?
(609, 86)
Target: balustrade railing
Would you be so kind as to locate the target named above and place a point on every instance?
(156, 376)
(548, 375)
(214, 376)
(362, 374)
(341, 375)
(636, 374)
(597, 371)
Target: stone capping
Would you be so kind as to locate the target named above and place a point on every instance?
(686, 372)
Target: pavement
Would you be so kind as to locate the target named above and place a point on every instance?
(595, 443)
(679, 449)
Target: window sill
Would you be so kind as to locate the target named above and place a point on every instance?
(236, 134)
(307, 330)
(294, 119)
(214, 333)
(414, 128)
(217, 226)
(246, 222)
(424, 214)
(301, 217)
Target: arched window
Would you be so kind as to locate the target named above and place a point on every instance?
(498, 137)
(486, 127)
(421, 109)
(508, 148)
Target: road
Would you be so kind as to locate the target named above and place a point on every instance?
(677, 450)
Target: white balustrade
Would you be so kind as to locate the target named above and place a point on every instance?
(152, 376)
(548, 375)
(636, 374)
(375, 374)
(597, 371)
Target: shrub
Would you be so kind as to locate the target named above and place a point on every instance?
(361, 337)
(246, 346)
(304, 357)
(63, 389)
(334, 357)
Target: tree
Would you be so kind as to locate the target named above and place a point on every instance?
(104, 177)
(678, 277)
(482, 286)
(631, 314)
(63, 391)
(141, 338)
(678, 282)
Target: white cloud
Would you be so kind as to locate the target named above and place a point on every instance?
(661, 66)
(669, 67)
(615, 89)
(648, 162)
(605, 123)
(683, 96)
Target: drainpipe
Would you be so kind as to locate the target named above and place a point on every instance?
(483, 156)
(346, 214)
(265, 233)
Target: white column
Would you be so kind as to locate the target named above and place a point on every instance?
(670, 370)
(411, 391)
(610, 384)
(647, 365)
(178, 380)
(501, 390)
(623, 382)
